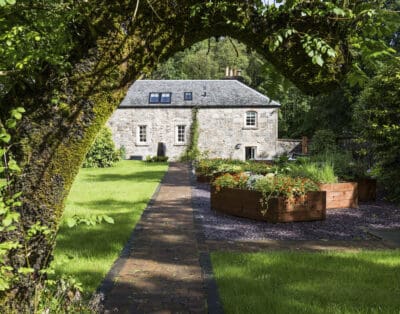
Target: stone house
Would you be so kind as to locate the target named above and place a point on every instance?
(234, 120)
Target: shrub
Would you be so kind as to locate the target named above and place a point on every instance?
(122, 152)
(102, 154)
(377, 115)
(156, 158)
(323, 141)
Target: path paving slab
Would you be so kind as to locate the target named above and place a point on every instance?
(161, 273)
(388, 235)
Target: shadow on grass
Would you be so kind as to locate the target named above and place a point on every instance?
(139, 176)
(112, 204)
(308, 282)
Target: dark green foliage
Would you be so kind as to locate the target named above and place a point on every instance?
(157, 158)
(323, 141)
(102, 154)
(378, 116)
(192, 152)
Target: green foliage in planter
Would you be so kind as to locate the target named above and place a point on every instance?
(323, 141)
(318, 172)
(102, 154)
(231, 181)
(284, 186)
(210, 167)
(345, 166)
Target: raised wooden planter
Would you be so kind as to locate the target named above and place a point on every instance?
(203, 179)
(246, 203)
(341, 195)
(366, 190)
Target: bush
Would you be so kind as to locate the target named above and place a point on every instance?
(102, 154)
(156, 158)
(323, 141)
(377, 115)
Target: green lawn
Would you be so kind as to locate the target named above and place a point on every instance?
(121, 192)
(366, 282)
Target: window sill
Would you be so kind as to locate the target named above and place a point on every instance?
(250, 128)
(142, 144)
(180, 144)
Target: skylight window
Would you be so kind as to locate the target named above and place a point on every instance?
(187, 96)
(160, 98)
(165, 98)
(154, 98)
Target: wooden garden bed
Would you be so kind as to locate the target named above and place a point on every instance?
(203, 179)
(341, 195)
(246, 203)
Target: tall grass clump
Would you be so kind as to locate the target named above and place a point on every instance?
(317, 172)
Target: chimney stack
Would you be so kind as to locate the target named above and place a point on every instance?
(233, 74)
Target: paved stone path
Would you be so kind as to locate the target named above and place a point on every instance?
(162, 273)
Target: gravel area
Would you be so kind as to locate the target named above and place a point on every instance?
(340, 224)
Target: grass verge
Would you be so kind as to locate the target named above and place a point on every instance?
(121, 192)
(292, 282)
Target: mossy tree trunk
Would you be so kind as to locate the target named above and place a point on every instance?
(116, 48)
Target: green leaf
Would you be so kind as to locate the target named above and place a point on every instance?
(25, 270)
(71, 222)
(317, 59)
(5, 137)
(108, 219)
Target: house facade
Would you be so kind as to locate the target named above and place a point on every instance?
(234, 120)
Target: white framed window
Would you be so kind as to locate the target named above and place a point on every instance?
(180, 134)
(251, 119)
(142, 136)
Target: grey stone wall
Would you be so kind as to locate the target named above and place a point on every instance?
(287, 146)
(222, 132)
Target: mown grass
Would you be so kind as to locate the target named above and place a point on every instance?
(121, 192)
(293, 282)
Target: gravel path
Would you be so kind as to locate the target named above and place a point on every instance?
(340, 224)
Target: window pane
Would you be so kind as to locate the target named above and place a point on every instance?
(154, 98)
(251, 118)
(188, 96)
(142, 134)
(165, 98)
(181, 133)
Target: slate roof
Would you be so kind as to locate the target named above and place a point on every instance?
(206, 93)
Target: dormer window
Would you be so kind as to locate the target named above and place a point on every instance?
(188, 96)
(160, 98)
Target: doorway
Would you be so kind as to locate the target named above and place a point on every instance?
(250, 152)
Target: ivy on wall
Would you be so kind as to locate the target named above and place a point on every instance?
(192, 151)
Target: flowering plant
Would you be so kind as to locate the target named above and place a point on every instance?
(227, 180)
